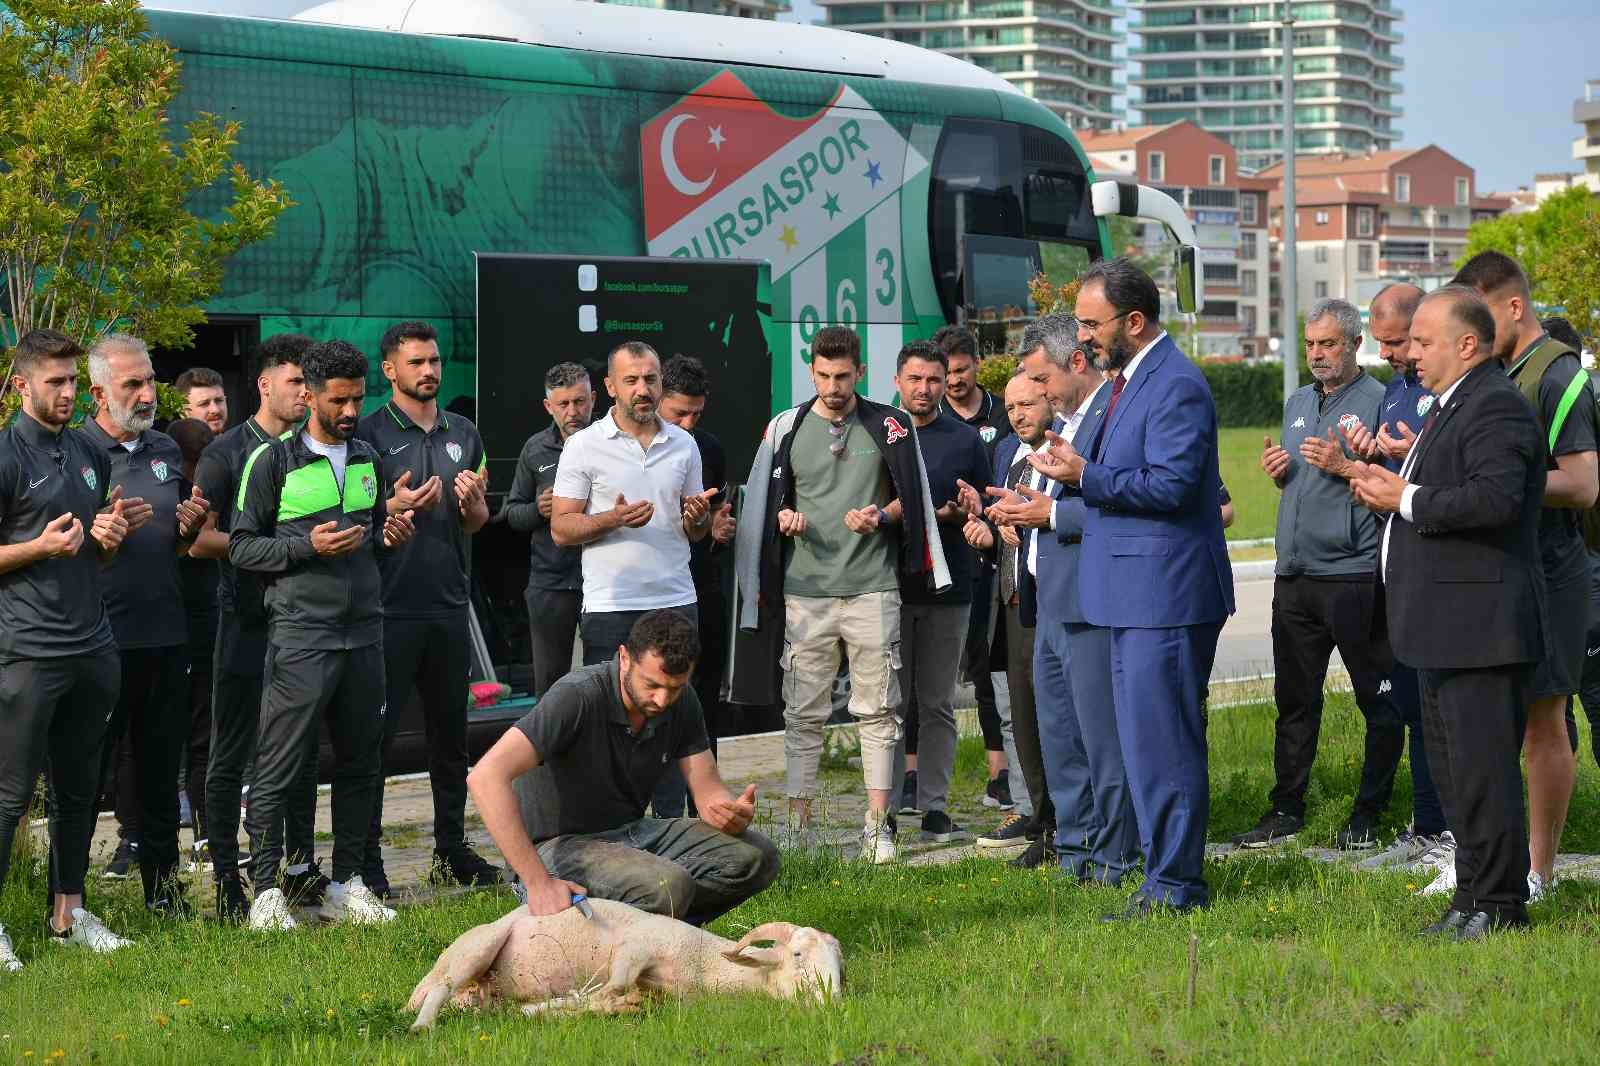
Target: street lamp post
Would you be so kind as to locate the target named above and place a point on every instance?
(1291, 314)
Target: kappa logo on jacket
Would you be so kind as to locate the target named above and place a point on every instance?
(895, 430)
(1299, 423)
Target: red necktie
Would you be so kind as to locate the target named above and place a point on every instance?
(1116, 394)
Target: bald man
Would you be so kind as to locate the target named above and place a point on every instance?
(1406, 402)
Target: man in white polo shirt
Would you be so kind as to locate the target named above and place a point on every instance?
(628, 490)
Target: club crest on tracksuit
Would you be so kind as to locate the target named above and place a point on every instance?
(1424, 405)
(89, 478)
(158, 467)
(895, 430)
(453, 450)
(1348, 422)
(988, 433)
(368, 486)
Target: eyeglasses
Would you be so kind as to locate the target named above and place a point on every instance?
(838, 431)
(1092, 326)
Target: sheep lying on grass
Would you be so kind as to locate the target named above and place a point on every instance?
(566, 962)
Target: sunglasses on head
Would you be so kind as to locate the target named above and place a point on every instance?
(838, 431)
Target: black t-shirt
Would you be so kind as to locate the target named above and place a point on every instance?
(51, 608)
(594, 773)
(951, 449)
(713, 475)
(426, 576)
(218, 474)
(142, 589)
(990, 421)
(1561, 528)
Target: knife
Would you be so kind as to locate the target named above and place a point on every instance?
(581, 901)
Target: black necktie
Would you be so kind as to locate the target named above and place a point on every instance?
(1008, 554)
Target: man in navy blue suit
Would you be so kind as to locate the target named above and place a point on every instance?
(1153, 567)
(1096, 833)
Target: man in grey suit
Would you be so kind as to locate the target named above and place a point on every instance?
(1097, 835)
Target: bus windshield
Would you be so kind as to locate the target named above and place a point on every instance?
(1003, 180)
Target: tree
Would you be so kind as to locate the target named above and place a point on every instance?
(1571, 278)
(95, 231)
(1541, 240)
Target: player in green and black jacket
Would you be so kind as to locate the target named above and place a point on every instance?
(311, 519)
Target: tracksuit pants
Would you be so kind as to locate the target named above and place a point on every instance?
(930, 640)
(432, 656)
(53, 718)
(1310, 618)
(235, 722)
(552, 626)
(301, 686)
(152, 711)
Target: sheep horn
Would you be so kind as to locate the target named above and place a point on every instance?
(777, 932)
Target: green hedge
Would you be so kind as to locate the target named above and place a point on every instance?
(1251, 394)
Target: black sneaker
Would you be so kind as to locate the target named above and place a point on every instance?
(1038, 854)
(937, 826)
(123, 861)
(1361, 834)
(233, 906)
(169, 900)
(998, 792)
(463, 866)
(306, 888)
(1275, 827)
(377, 880)
(908, 794)
(1010, 834)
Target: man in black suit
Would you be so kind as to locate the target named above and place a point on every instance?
(1459, 558)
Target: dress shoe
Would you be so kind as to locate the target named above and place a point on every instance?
(1447, 926)
(1480, 924)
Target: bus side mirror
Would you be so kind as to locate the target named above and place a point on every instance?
(1186, 272)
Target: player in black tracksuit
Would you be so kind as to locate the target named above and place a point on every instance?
(241, 641)
(312, 520)
(426, 635)
(59, 672)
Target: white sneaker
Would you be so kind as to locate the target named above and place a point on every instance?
(355, 903)
(270, 911)
(1444, 884)
(90, 932)
(1538, 887)
(1441, 854)
(877, 843)
(8, 955)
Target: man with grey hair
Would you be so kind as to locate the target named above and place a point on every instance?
(144, 598)
(555, 574)
(1096, 836)
(1323, 596)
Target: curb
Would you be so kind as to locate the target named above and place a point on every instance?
(1255, 570)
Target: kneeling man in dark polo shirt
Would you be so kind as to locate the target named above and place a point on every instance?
(564, 792)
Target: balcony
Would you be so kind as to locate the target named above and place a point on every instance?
(1586, 148)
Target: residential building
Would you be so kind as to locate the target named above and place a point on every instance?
(1219, 63)
(1056, 51)
(1586, 149)
(1200, 170)
(745, 9)
(1364, 221)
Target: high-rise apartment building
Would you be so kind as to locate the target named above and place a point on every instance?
(745, 9)
(1586, 149)
(1219, 63)
(1056, 51)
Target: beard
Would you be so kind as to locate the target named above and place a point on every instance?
(45, 411)
(135, 418)
(1118, 352)
(422, 391)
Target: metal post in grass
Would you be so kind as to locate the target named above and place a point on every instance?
(1290, 315)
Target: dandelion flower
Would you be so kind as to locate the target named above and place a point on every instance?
(184, 1002)
(162, 1019)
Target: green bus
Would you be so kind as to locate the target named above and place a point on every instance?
(890, 188)
(887, 188)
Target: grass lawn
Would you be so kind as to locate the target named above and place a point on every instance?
(971, 962)
(1255, 498)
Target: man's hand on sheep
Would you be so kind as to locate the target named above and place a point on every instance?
(729, 814)
(551, 895)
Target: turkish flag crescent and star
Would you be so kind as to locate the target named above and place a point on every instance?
(707, 141)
